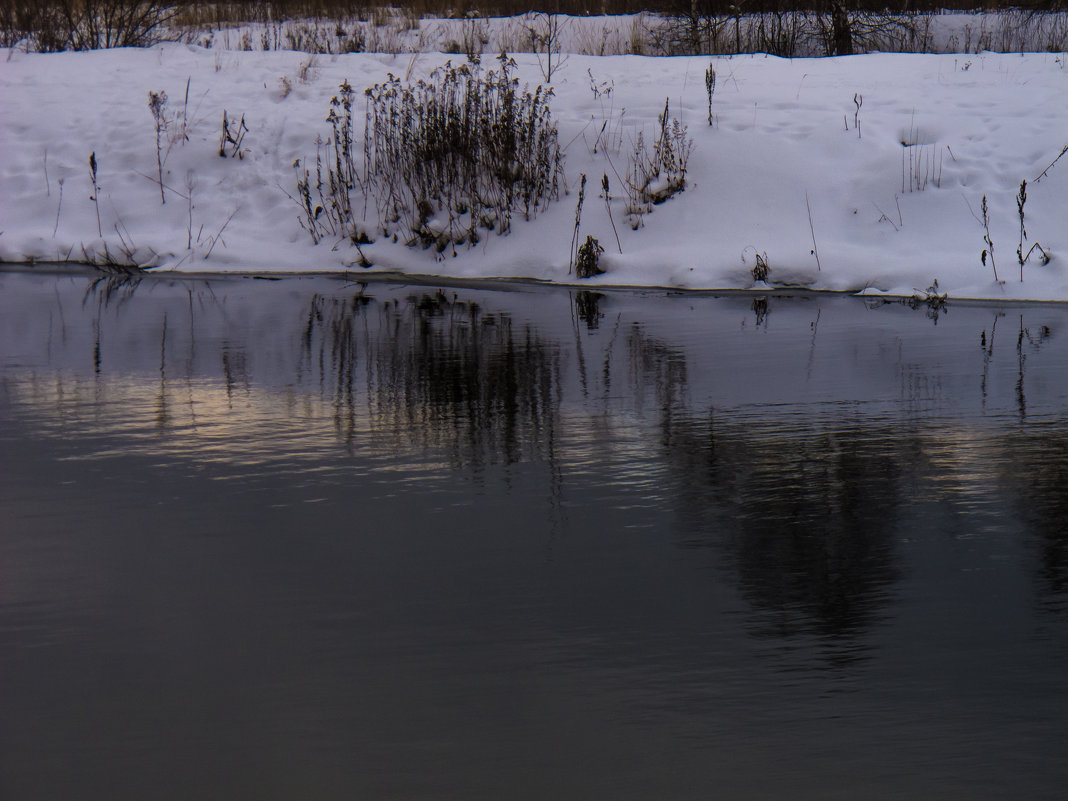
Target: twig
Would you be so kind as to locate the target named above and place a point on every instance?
(178, 263)
(597, 141)
(218, 235)
(613, 168)
(58, 208)
(883, 217)
(155, 180)
(812, 230)
(120, 226)
(576, 136)
(1045, 255)
(127, 247)
(977, 218)
(1043, 173)
(185, 110)
(607, 197)
(190, 184)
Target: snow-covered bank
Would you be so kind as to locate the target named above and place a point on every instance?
(782, 167)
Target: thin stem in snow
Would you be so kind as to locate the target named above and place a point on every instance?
(812, 230)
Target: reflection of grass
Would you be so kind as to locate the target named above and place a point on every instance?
(115, 284)
(933, 302)
(760, 310)
(931, 298)
(437, 370)
(587, 305)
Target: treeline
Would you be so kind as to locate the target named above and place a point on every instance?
(780, 27)
(277, 10)
(261, 10)
(53, 25)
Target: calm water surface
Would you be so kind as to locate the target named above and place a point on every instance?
(316, 539)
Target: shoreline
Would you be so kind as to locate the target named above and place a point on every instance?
(504, 284)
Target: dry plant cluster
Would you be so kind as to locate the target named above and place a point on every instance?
(442, 160)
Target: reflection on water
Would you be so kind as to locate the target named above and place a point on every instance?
(310, 538)
(807, 521)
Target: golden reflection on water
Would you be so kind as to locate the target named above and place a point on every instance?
(208, 421)
(199, 418)
(205, 420)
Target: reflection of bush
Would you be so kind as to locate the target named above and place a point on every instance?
(588, 307)
(439, 371)
(806, 518)
(1037, 477)
(655, 363)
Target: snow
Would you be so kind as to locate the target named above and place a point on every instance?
(782, 171)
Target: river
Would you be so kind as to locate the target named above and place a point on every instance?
(333, 538)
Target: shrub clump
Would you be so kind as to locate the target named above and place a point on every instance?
(443, 158)
(653, 177)
(587, 264)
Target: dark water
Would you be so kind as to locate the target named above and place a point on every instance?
(310, 539)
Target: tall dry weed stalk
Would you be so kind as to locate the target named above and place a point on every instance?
(1021, 201)
(710, 88)
(988, 252)
(95, 197)
(578, 222)
(157, 104)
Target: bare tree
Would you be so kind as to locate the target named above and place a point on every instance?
(54, 25)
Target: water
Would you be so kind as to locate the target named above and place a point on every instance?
(312, 538)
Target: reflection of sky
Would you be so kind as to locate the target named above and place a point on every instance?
(201, 420)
